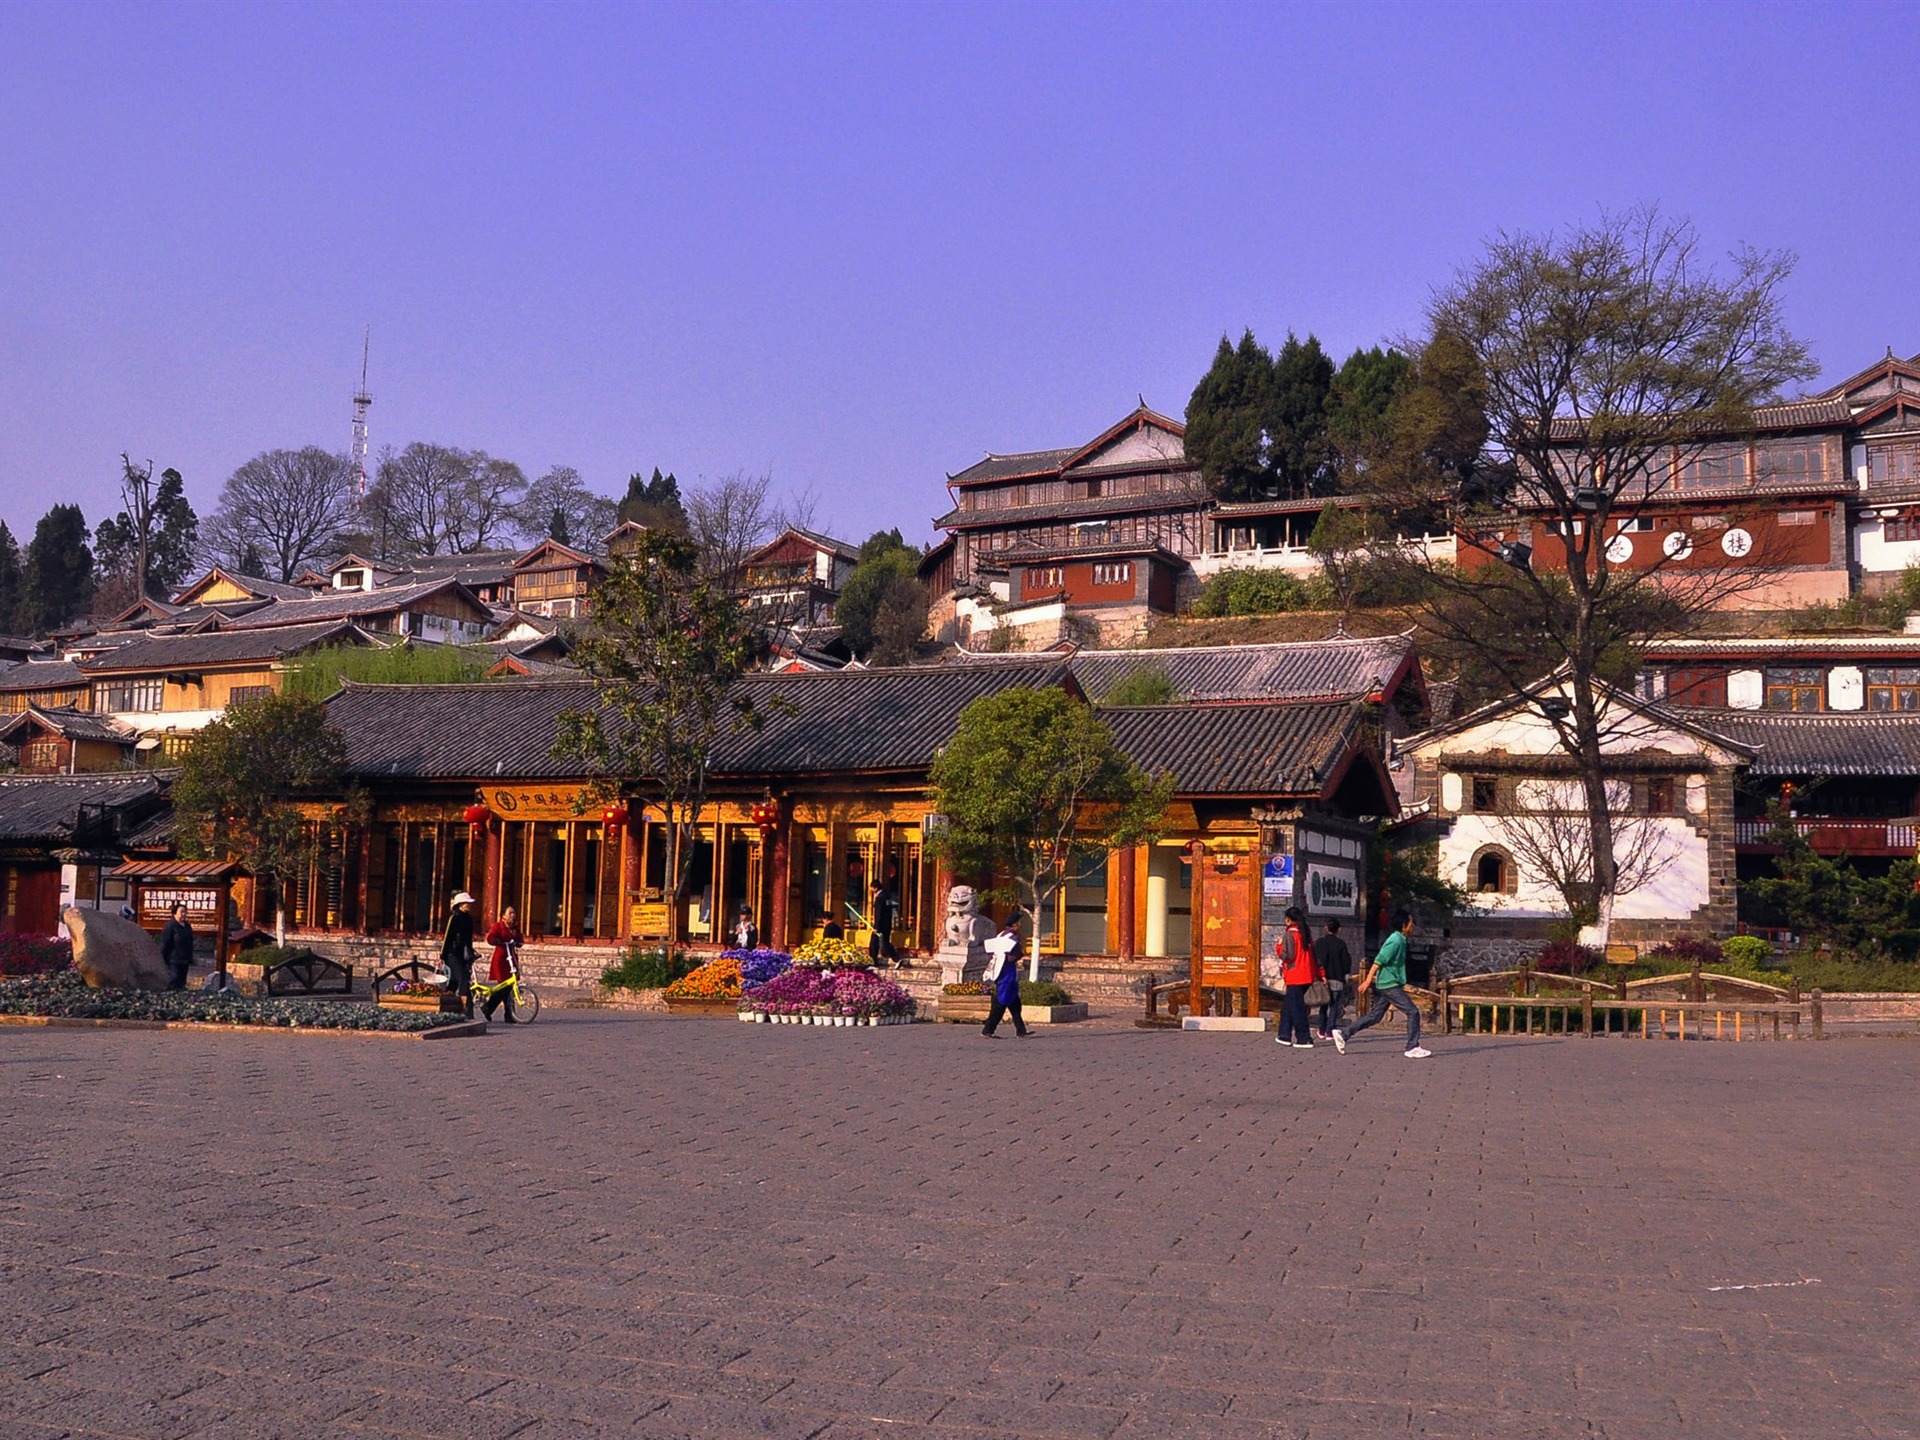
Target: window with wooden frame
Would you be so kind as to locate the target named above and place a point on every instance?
(1793, 462)
(1045, 577)
(1893, 688)
(1118, 572)
(1901, 531)
(1796, 517)
(1893, 464)
(1485, 794)
(1660, 795)
(40, 755)
(1696, 685)
(1796, 687)
(1713, 467)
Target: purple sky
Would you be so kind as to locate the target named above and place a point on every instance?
(857, 245)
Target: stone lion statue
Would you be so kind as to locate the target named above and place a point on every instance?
(962, 933)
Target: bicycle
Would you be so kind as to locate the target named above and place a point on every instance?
(522, 999)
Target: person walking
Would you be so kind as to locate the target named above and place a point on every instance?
(504, 935)
(1330, 953)
(456, 950)
(176, 946)
(1387, 978)
(1298, 970)
(1003, 973)
(886, 907)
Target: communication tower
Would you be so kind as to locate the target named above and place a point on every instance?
(361, 401)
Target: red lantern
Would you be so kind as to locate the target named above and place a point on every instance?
(476, 814)
(614, 816)
(767, 816)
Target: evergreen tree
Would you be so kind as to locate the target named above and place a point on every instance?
(172, 533)
(1227, 419)
(1296, 420)
(1360, 405)
(251, 563)
(59, 569)
(12, 584)
(557, 525)
(882, 611)
(654, 502)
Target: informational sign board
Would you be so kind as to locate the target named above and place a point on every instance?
(1332, 889)
(650, 918)
(1276, 878)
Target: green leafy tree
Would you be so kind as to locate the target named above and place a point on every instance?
(1361, 400)
(1227, 418)
(241, 781)
(13, 585)
(882, 610)
(1149, 685)
(1824, 899)
(1595, 363)
(666, 652)
(654, 501)
(59, 569)
(1296, 423)
(1029, 778)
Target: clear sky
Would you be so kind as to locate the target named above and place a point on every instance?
(856, 245)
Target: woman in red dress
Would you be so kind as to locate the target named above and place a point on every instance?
(505, 937)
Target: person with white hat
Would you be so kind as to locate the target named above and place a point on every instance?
(456, 951)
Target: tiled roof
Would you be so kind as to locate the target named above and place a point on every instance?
(1805, 414)
(340, 604)
(42, 675)
(1024, 554)
(71, 724)
(1316, 670)
(1790, 743)
(1266, 750)
(1761, 648)
(47, 807)
(220, 647)
(1006, 515)
(838, 720)
(1011, 467)
(266, 589)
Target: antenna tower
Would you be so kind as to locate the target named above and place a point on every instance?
(361, 400)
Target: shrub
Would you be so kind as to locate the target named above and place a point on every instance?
(1748, 951)
(1566, 957)
(1250, 592)
(647, 968)
(1686, 950)
(1032, 992)
(1149, 685)
(67, 996)
(24, 955)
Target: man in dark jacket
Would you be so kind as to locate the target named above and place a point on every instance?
(1336, 963)
(176, 947)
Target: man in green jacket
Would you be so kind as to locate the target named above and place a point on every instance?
(1387, 978)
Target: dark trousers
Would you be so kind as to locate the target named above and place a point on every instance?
(176, 976)
(880, 943)
(1293, 1015)
(500, 997)
(1397, 998)
(1003, 1007)
(1330, 1012)
(460, 980)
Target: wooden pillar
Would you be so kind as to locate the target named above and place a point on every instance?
(1196, 928)
(632, 864)
(492, 836)
(222, 908)
(363, 887)
(779, 870)
(569, 853)
(1126, 863)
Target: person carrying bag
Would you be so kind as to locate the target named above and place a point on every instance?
(1300, 982)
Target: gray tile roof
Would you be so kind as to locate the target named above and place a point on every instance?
(71, 724)
(1355, 669)
(47, 807)
(42, 675)
(344, 604)
(1259, 750)
(220, 647)
(1788, 743)
(1011, 467)
(830, 721)
(1009, 515)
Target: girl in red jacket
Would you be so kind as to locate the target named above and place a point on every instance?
(504, 936)
(1298, 970)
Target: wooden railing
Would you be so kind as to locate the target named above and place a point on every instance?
(1586, 1014)
(1837, 835)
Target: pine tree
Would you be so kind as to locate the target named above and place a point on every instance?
(59, 569)
(12, 584)
(654, 502)
(1227, 419)
(1296, 420)
(1364, 391)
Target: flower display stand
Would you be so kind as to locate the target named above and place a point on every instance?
(431, 1004)
(700, 1005)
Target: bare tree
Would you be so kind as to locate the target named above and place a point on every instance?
(560, 504)
(1569, 378)
(436, 499)
(288, 507)
(729, 519)
(492, 502)
(1547, 832)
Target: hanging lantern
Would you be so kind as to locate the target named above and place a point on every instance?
(476, 814)
(766, 815)
(614, 816)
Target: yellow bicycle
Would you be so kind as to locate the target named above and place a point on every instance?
(521, 999)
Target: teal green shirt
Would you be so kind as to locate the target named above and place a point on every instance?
(1392, 961)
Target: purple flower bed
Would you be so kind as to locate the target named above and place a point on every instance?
(757, 967)
(805, 991)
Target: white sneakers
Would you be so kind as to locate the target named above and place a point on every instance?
(1419, 1052)
(1340, 1042)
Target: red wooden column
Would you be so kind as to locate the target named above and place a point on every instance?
(1124, 882)
(779, 867)
(632, 865)
(492, 840)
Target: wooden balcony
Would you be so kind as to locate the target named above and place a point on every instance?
(1837, 836)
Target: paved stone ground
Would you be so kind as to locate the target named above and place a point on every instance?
(631, 1227)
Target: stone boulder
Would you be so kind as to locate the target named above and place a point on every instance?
(112, 953)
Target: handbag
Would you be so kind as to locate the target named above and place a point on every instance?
(1318, 994)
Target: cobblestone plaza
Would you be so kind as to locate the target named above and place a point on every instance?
(647, 1227)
